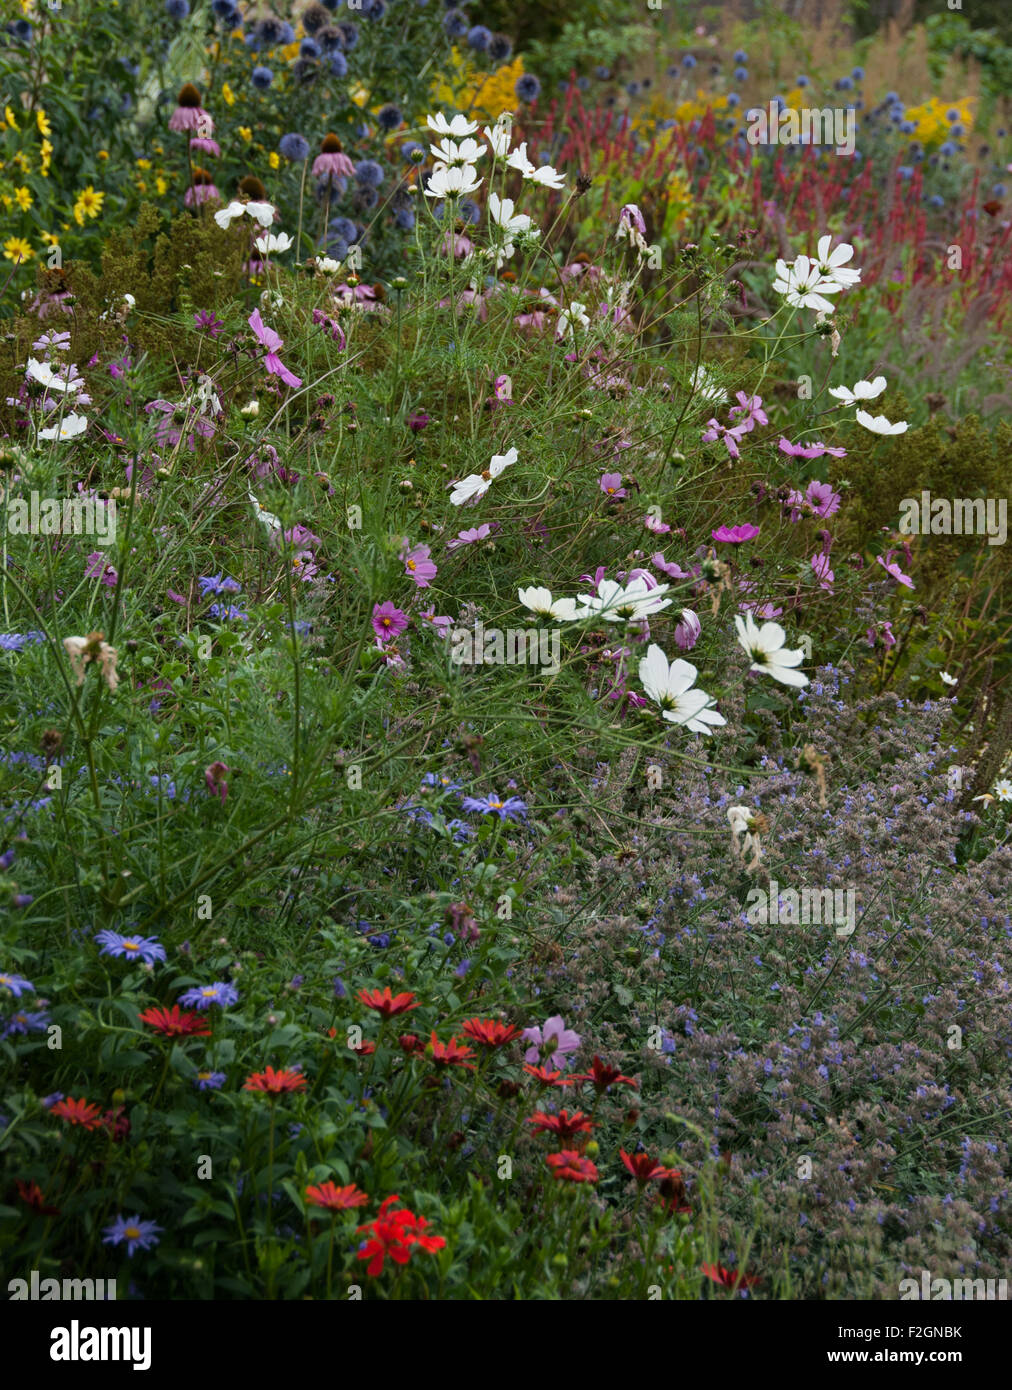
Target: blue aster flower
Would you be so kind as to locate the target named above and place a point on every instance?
(16, 984)
(209, 1080)
(17, 641)
(177, 9)
(25, 1023)
(203, 996)
(145, 948)
(138, 1234)
(512, 808)
(227, 612)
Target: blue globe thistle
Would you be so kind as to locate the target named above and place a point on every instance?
(897, 114)
(958, 130)
(287, 33)
(261, 78)
(331, 185)
(633, 88)
(890, 98)
(739, 56)
(365, 199)
(331, 4)
(294, 147)
(858, 74)
(844, 84)
(1002, 132)
(801, 81)
(952, 115)
(345, 228)
(404, 218)
(252, 42)
(305, 70)
(688, 61)
(602, 73)
(270, 31)
(336, 247)
(646, 82)
(177, 9)
(368, 173)
(583, 83)
(500, 49)
(733, 99)
(226, 11)
(905, 171)
(309, 48)
(741, 74)
(455, 24)
(998, 190)
(412, 152)
(375, 10)
(936, 201)
(672, 71)
(907, 127)
(479, 38)
(338, 65)
(469, 211)
(389, 117)
(330, 40)
(349, 32)
(947, 149)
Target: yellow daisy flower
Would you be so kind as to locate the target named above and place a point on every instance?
(23, 198)
(227, 94)
(246, 133)
(144, 164)
(89, 202)
(50, 239)
(274, 159)
(17, 249)
(9, 118)
(42, 121)
(161, 185)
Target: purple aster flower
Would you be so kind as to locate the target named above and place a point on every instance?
(203, 996)
(16, 984)
(217, 584)
(227, 612)
(388, 621)
(209, 1080)
(735, 535)
(138, 1234)
(554, 1039)
(492, 805)
(145, 948)
(26, 1023)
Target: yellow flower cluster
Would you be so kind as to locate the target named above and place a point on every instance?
(932, 127)
(481, 95)
(88, 204)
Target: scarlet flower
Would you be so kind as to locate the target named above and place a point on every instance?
(603, 1076)
(729, 1278)
(393, 1234)
(333, 1198)
(563, 1124)
(364, 1049)
(549, 1078)
(176, 1023)
(274, 1082)
(571, 1166)
(490, 1032)
(450, 1054)
(385, 1003)
(411, 1043)
(643, 1167)
(32, 1194)
(78, 1112)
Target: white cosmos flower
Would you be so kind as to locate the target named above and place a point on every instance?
(447, 182)
(862, 391)
(498, 136)
(327, 265)
(669, 685)
(946, 679)
(272, 522)
(449, 152)
(67, 428)
(831, 264)
(616, 604)
(475, 485)
(518, 160)
(501, 212)
(43, 373)
(458, 127)
(540, 601)
(546, 176)
(206, 397)
(273, 242)
(575, 313)
(260, 212)
(878, 424)
(801, 282)
(766, 646)
(704, 386)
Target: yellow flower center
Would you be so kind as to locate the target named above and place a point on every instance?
(132, 1232)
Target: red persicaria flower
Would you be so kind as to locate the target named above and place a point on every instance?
(333, 1198)
(549, 1078)
(176, 1023)
(78, 1112)
(563, 1124)
(570, 1166)
(32, 1194)
(729, 1278)
(603, 1076)
(450, 1054)
(489, 1032)
(411, 1043)
(386, 1003)
(643, 1167)
(274, 1082)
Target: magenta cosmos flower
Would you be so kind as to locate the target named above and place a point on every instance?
(752, 408)
(472, 534)
(388, 621)
(893, 570)
(817, 498)
(555, 1040)
(731, 437)
(270, 340)
(735, 535)
(611, 485)
(810, 451)
(418, 565)
(688, 630)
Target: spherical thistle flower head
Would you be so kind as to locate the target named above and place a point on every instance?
(338, 65)
(294, 147)
(143, 948)
(369, 173)
(138, 1234)
(389, 117)
(740, 74)
(314, 18)
(330, 1197)
(527, 88)
(375, 10)
(273, 1082)
(349, 33)
(479, 38)
(203, 996)
(500, 48)
(261, 78)
(688, 61)
(177, 9)
(270, 31)
(455, 24)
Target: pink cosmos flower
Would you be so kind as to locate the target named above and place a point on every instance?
(96, 568)
(730, 436)
(688, 630)
(652, 523)
(893, 570)
(818, 498)
(810, 451)
(820, 564)
(555, 1040)
(388, 621)
(270, 340)
(735, 535)
(611, 485)
(883, 633)
(441, 625)
(472, 534)
(672, 570)
(418, 565)
(752, 408)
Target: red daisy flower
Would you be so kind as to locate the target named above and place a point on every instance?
(364, 1049)
(411, 1043)
(176, 1023)
(393, 1234)
(563, 1124)
(387, 1004)
(333, 1198)
(548, 1078)
(643, 1167)
(729, 1278)
(571, 1166)
(32, 1194)
(274, 1082)
(78, 1112)
(603, 1076)
(450, 1054)
(490, 1032)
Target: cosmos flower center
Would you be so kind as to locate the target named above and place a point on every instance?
(486, 475)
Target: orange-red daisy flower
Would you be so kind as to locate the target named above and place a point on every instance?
(411, 1043)
(450, 1054)
(490, 1032)
(78, 1112)
(563, 1124)
(386, 1004)
(729, 1278)
(570, 1166)
(333, 1198)
(548, 1077)
(32, 1194)
(176, 1022)
(643, 1167)
(603, 1076)
(274, 1082)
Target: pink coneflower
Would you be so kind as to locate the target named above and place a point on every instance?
(189, 115)
(388, 621)
(472, 534)
(202, 190)
(893, 570)
(418, 565)
(735, 535)
(332, 161)
(810, 451)
(206, 146)
(611, 485)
